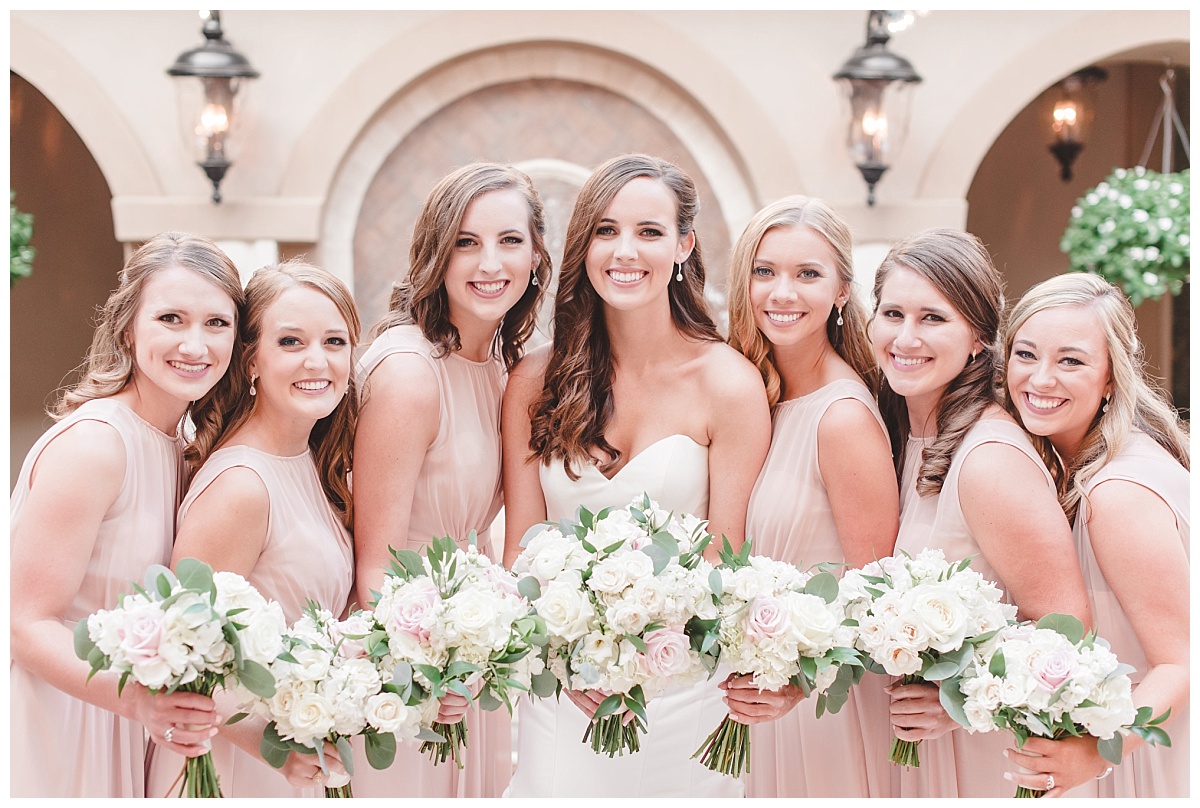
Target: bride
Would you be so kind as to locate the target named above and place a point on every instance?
(636, 393)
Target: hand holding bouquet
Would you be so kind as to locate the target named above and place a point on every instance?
(327, 689)
(453, 622)
(920, 619)
(1053, 681)
(780, 625)
(188, 631)
(622, 594)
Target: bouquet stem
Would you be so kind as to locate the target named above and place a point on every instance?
(199, 774)
(904, 753)
(727, 749)
(1022, 791)
(611, 736)
(456, 741)
(341, 791)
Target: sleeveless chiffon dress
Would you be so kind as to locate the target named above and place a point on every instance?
(308, 555)
(552, 760)
(62, 746)
(1150, 771)
(458, 490)
(790, 519)
(958, 764)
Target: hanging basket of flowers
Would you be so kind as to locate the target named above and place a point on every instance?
(1134, 230)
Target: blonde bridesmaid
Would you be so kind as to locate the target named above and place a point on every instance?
(827, 491)
(94, 506)
(1076, 380)
(428, 447)
(270, 499)
(971, 482)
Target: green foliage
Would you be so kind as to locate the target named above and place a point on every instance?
(20, 235)
(1134, 230)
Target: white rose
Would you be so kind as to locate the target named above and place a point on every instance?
(311, 665)
(812, 622)
(387, 713)
(566, 610)
(941, 616)
(627, 616)
(471, 616)
(311, 718)
(898, 660)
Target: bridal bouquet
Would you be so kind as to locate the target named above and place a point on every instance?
(1053, 681)
(921, 619)
(624, 597)
(191, 630)
(453, 622)
(328, 689)
(781, 625)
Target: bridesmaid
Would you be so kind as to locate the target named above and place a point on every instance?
(270, 499)
(637, 393)
(827, 491)
(456, 324)
(1075, 378)
(101, 487)
(934, 331)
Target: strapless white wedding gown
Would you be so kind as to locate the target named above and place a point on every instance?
(552, 760)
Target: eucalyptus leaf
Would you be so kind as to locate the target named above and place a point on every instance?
(83, 640)
(658, 555)
(345, 753)
(1065, 624)
(716, 582)
(153, 573)
(529, 588)
(824, 585)
(1110, 748)
(952, 700)
(195, 575)
(381, 749)
(637, 642)
(488, 701)
(236, 717)
(545, 684)
(609, 706)
(939, 671)
(256, 678)
(273, 748)
(427, 734)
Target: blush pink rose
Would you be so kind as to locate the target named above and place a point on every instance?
(141, 635)
(767, 617)
(410, 610)
(1052, 669)
(501, 580)
(666, 653)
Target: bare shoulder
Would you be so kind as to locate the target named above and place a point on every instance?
(1125, 505)
(728, 375)
(402, 378)
(532, 366)
(236, 490)
(847, 419)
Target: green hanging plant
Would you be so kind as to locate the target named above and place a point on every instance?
(22, 234)
(1134, 230)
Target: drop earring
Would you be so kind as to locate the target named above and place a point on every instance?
(253, 392)
(839, 319)
(535, 280)
(1105, 407)
(679, 272)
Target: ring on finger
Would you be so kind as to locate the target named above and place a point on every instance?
(169, 733)
(319, 778)
(1049, 782)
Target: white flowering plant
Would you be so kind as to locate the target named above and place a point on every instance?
(191, 630)
(1053, 681)
(921, 618)
(452, 621)
(1134, 229)
(627, 610)
(781, 626)
(327, 688)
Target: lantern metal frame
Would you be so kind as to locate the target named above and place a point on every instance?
(219, 65)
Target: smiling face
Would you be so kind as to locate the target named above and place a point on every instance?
(492, 258)
(794, 285)
(635, 245)
(921, 341)
(1058, 374)
(303, 357)
(182, 335)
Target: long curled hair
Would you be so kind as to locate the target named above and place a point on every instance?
(332, 438)
(570, 415)
(1135, 403)
(110, 363)
(849, 339)
(421, 297)
(959, 267)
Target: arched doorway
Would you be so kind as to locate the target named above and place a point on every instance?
(78, 258)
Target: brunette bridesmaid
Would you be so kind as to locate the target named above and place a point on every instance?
(99, 490)
(971, 482)
(270, 500)
(1076, 380)
(827, 491)
(428, 446)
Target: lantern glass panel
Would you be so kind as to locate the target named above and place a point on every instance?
(208, 116)
(878, 114)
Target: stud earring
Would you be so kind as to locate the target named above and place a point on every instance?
(679, 272)
(839, 319)
(253, 392)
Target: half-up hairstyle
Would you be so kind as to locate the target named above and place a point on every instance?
(421, 297)
(1136, 403)
(849, 339)
(332, 438)
(110, 363)
(568, 419)
(959, 267)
